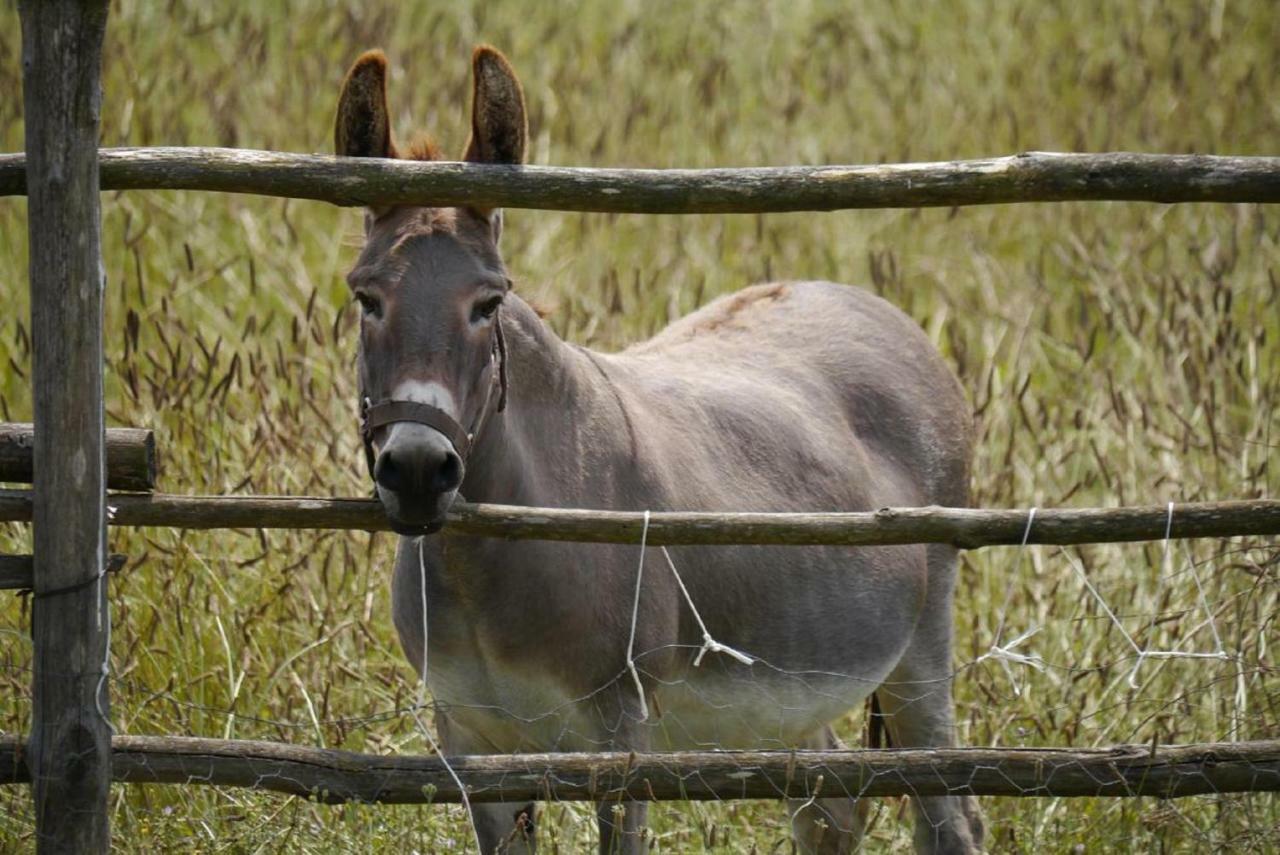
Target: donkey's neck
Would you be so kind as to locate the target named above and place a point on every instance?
(561, 420)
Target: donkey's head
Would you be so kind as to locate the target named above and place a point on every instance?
(430, 283)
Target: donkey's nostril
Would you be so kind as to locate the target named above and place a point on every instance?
(387, 474)
(449, 475)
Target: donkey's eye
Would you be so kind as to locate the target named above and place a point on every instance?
(369, 304)
(485, 309)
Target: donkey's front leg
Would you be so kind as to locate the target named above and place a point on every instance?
(505, 827)
(622, 826)
(623, 821)
(501, 827)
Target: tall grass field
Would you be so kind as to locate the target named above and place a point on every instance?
(1113, 354)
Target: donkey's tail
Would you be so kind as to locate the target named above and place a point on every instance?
(876, 734)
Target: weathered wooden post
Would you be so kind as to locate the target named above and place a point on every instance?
(70, 747)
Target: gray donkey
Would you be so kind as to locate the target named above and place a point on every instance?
(794, 396)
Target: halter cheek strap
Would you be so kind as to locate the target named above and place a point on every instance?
(389, 411)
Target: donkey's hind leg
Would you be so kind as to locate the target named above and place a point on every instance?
(917, 706)
(825, 826)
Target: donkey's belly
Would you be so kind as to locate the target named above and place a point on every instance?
(829, 627)
(752, 707)
(709, 707)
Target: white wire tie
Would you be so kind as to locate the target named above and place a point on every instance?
(635, 616)
(709, 644)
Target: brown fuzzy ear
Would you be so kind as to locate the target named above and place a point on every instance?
(363, 124)
(499, 128)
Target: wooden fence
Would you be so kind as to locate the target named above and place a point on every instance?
(967, 528)
(71, 757)
(1028, 177)
(333, 776)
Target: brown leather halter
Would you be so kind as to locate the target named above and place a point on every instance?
(389, 411)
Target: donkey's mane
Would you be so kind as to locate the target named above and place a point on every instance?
(423, 147)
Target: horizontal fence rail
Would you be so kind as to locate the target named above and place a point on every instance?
(17, 572)
(967, 528)
(131, 456)
(1028, 177)
(340, 776)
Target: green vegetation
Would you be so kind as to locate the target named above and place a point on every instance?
(1114, 353)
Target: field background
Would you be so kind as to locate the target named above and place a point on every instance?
(1114, 353)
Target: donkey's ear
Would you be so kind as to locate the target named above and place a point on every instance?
(363, 125)
(499, 128)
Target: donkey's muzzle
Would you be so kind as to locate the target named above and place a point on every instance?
(409, 471)
(417, 473)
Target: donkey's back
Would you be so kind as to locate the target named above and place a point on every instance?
(811, 395)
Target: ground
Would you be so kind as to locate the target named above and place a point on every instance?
(1114, 354)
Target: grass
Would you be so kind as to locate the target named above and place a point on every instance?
(1114, 353)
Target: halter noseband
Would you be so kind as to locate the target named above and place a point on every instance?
(388, 411)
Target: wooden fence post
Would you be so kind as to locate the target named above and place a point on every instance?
(70, 747)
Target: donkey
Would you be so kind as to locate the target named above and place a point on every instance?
(791, 396)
